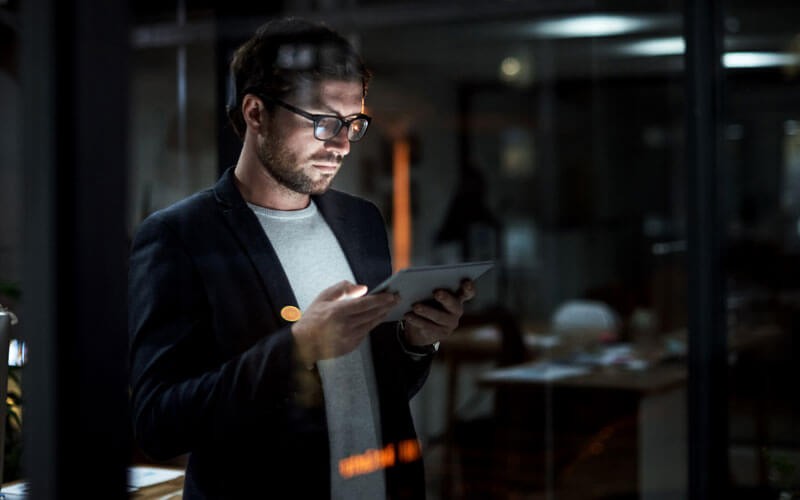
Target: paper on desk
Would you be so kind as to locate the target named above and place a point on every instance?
(138, 477)
(543, 371)
(141, 477)
(20, 489)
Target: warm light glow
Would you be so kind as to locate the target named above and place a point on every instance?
(401, 213)
(510, 67)
(589, 26)
(373, 460)
(369, 461)
(409, 450)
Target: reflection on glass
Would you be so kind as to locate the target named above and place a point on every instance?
(547, 147)
(553, 142)
(763, 248)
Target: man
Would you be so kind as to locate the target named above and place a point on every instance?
(253, 348)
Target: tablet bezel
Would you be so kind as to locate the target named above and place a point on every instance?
(417, 284)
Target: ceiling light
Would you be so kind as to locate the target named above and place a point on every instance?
(589, 26)
(510, 67)
(517, 69)
(759, 59)
(674, 46)
(670, 46)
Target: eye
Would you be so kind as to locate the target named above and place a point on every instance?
(327, 127)
(358, 127)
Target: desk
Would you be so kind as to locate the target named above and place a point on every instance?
(661, 377)
(557, 413)
(637, 419)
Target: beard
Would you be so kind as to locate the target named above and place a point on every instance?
(283, 165)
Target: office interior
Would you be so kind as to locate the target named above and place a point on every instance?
(632, 168)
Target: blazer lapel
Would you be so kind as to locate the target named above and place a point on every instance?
(245, 227)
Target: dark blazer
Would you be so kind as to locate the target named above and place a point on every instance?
(212, 361)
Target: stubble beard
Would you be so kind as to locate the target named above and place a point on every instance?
(282, 165)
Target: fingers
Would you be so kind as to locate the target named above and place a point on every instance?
(367, 321)
(347, 292)
(428, 324)
(467, 290)
(451, 303)
(447, 318)
(345, 323)
(453, 306)
(368, 303)
(339, 318)
(341, 290)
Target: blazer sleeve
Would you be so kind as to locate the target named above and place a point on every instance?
(183, 391)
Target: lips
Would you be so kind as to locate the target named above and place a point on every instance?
(326, 163)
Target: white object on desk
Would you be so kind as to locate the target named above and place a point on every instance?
(584, 317)
(541, 371)
(20, 489)
(142, 477)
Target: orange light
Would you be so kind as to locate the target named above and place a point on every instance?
(401, 160)
(373, 460)
(290, 313)
(369, 461)
(409, 450)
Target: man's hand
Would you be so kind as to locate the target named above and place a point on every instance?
(338, 320)
(426, 325)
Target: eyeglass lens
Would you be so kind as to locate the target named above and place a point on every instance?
(327, 127)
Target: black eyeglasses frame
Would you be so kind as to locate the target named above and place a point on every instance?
(316, 118)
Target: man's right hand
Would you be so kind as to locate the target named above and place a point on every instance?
(338, 320)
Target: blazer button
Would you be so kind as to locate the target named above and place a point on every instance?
(290, 313)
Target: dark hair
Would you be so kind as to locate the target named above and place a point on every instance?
(285, 53)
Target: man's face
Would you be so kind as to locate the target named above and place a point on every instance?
(287, 147)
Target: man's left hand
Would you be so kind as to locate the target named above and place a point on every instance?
(427, 324)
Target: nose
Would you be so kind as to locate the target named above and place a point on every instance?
(339, 143)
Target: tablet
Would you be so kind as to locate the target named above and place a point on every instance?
(416, 284)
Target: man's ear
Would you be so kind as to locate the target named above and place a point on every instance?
(253, 112)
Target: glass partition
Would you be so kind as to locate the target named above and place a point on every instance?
(551, 139)
(762, 244)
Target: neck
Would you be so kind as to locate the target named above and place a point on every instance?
(258, 187)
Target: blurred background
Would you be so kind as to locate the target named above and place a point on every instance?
(632, 167)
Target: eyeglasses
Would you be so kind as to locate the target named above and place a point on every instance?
(327, 127)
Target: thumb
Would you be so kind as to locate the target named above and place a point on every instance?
(341, 290)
